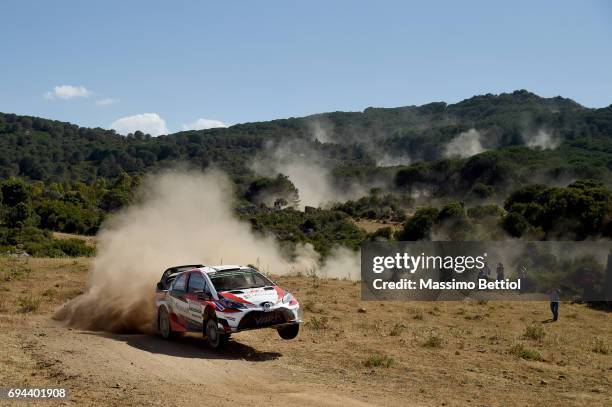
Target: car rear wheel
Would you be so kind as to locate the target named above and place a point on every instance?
(289, 332)
(214, 338)
(163, 324)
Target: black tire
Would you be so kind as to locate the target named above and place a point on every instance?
(214, 338)
(289, 332)
(163, 324)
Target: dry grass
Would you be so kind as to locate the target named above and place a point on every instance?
(397, 329)
(89, 240)
(416, 313)
(601, 346)
(28, 304)
(318, 323)
(14, 268)
(371, 226)
(500, 359)
(38, 285)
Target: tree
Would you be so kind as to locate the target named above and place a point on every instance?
(454, 222)
(268, 190)
(419, 226)
(515, 224)
(15, 191)
(20, 215)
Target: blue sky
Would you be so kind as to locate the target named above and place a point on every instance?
(245, 61)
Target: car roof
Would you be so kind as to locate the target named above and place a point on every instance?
(222, 268)
(178, 269)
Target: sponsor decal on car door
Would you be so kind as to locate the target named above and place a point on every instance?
(178, 303)
(195, 291)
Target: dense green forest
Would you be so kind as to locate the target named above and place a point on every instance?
(53, 151)
(541, 170)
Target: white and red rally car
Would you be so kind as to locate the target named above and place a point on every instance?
(220, 300)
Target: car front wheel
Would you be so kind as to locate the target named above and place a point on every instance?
(289, 332)
(214, 338)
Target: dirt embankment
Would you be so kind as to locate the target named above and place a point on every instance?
(453, 353)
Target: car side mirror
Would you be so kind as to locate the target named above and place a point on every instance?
(160, 286)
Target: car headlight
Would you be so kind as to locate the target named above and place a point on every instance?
(232, 304)
(289, 299)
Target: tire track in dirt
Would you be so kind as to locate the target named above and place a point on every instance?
(132, 370)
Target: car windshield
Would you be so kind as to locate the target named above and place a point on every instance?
(238, 279)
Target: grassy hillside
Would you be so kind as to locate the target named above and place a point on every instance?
(489, 167)
(49, 150)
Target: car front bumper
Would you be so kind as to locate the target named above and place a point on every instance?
(258, 318)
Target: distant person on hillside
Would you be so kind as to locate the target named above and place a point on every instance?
(522, 272)
(486, 271)
(482, 274)
(554, 302)
(500, 272)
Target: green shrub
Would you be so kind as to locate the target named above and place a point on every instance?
(534, 332)
(482, 191)
(522, 352)
(379, 360)
(434, 340)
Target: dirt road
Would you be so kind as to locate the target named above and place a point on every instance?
(101, 368)
(349, 353)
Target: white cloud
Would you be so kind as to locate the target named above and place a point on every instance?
(203, 124)
(67, 92)
(106, 102)
(149, 123)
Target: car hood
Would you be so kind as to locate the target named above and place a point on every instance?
(255, 296)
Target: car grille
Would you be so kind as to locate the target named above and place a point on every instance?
(260, 319)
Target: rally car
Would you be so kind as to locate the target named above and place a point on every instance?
(220, 300)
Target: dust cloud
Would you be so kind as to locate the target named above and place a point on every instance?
(465, 145)
(542, 140)
(307, 170)
(321, 130)
(180, 218)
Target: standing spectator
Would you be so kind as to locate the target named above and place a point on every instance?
(554, 302)
(500, 272)
(486, 271)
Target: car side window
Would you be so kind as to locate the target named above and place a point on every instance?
(196, 283)
(179, 283)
